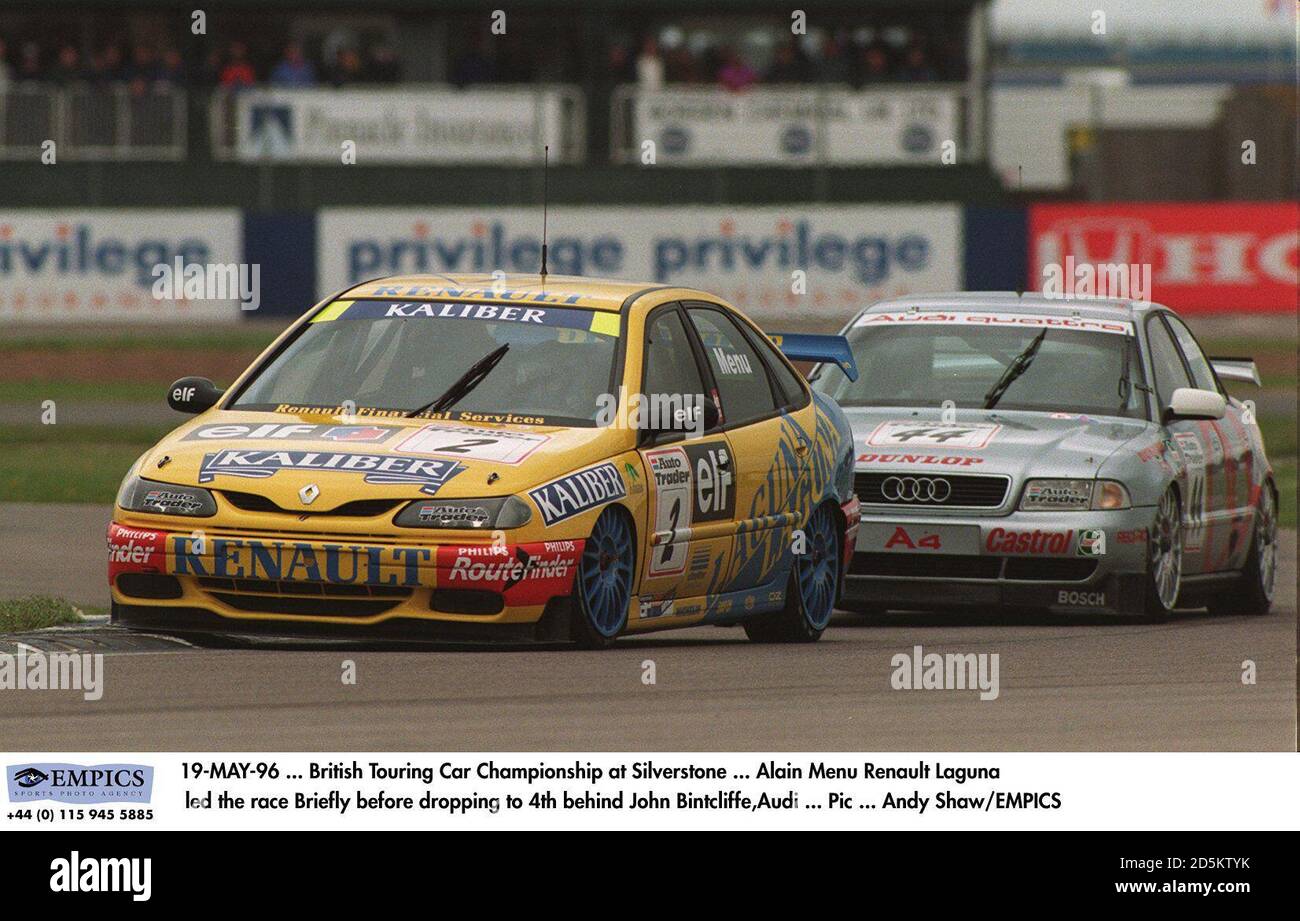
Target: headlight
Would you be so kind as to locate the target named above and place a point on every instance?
(140, 495)
(1073, 495)
(500, 513)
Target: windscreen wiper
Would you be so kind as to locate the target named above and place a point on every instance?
(465, 383)
(1126, 384)
(1019, 365)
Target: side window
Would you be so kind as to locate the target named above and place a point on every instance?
(670, 362)
(1202, 373)
(787, 382)
(1165, 361)
(743, 384)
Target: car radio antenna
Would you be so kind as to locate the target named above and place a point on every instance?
(546, 163)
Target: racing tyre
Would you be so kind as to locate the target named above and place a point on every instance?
(1253, 593)
(1165, 558)
(604, 582)
(810, 593)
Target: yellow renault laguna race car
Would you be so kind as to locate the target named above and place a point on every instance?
(534, 458)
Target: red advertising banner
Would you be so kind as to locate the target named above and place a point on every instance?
(1200, 258)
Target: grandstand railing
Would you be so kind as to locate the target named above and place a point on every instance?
(93, 122)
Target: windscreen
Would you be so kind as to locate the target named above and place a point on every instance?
(401, 355)
(911, 360)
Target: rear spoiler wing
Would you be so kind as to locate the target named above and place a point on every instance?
(809, 347)
(1237, 369)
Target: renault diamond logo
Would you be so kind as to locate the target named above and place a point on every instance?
(309, 493)
(915, 489)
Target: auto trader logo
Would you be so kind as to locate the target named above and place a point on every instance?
(79, 783)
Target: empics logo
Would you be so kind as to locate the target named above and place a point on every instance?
(75, 873)
(80, 783)
(30, 777)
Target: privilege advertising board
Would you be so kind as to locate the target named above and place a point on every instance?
(121, 265)
(824, 261)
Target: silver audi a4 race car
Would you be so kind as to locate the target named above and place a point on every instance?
(1068, 455)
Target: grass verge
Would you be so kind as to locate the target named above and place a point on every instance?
(35, 393)
(65, 471)
(34, 613)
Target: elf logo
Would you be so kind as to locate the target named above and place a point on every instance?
(715, 495)
(103, 874)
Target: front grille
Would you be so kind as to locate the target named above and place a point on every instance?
(989, 568)
(466, 601)
(931, 490)
(324, 589)
(359, 508)
(149, 585)
(925, 566)
(1034, 569)
(313, 607)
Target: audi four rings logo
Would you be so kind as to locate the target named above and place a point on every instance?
(915, 489)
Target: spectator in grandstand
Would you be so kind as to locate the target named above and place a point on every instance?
(143, 71)
(293, 68)
(171, 69)
(619, 66)
(873, 65)
(680, 66)
(29, 61)
(789, 64)
(650, 66)
(916, 64)
(473, 67)
(346, 68)
(208, 74)
(735, 74)
(106, 65)
(237, 72)
(833, 66)
(383, 66)
(6, 72)
(67, 66)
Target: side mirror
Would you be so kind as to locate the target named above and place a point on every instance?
(1190, 403)
(683, 422)
(193, 395)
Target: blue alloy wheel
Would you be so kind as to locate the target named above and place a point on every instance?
(606, 573)
(818, 568)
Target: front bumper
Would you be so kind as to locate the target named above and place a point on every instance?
(235, 581)
(1072, 562)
